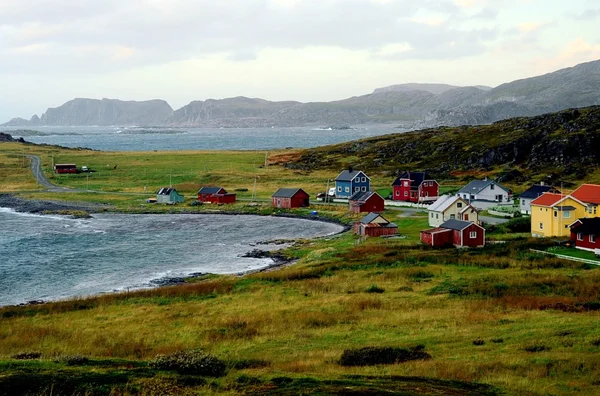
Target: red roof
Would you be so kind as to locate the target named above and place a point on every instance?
(588, 193)
(548, 199)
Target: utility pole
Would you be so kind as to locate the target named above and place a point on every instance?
(266, 155)
(254, 190)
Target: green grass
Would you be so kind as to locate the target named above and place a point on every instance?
(573, 252)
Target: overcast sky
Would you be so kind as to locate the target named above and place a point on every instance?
(308, 50)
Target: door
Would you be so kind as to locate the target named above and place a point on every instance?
(466, 217)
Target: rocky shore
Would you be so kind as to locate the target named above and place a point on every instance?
(46, 207)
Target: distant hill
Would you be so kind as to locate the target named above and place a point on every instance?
(411, 106)
(554, 147)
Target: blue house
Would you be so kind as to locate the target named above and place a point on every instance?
(349, 182)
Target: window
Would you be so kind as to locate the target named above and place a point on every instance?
(347, 189)
(437, 215)
(523, 202)
(406, 193)
(566, 214)
(541, 226)
(430, 184)
(397, 193)
(406, 184)
(364, 180)
(492, 187)
(593, 238)
(431, 215)
(340, 189)
(473, 234)
(356, 189)
(363, 189)
(580, 236)
(426, 194)
(555, 213)
(459, 205)
(453, 216)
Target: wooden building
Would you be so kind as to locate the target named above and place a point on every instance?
(374, 225)
(290, 198)
(216, 195)
(65, 168)
(455, 232)
(415, 187)
(585, 233)
(365, 202)
(168, 195)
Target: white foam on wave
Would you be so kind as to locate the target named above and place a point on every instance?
(26, 214)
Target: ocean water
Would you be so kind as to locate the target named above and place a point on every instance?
(55, 257)
(148, 139)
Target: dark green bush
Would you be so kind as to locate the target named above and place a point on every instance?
(27, 355)
(193, 361)
(478, 342)
(536, 348)
(374, 289)
(72, 360)
(371, 356)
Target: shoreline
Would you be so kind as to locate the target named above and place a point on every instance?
(278, 260)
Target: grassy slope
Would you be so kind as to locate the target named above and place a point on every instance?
(299, 319)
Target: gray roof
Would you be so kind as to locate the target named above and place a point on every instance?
(476, 186)
(458, 225)
(348, 175)
(165, 191)
(370, 217)
(536, 190)
(565, 208)
(209, 190)
(287, 192)
(362, 196)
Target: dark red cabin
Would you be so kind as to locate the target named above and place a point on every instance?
(65, 168)
(455, 232)
(289, 198)
(415, 187)
(585, 233)
(364, 202)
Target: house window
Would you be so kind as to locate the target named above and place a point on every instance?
(430, 184)
(541, 226)
(452, 216)
(340, 189)
(356, 189)
(593, 238)
(397, 193)
(437, 215)
(459, 205)
(473, 234)
(347, 189)
(426, 194)
(363, 188)
(364, 180)
(406, 193)
(555, 214)
(523, 202)
(492, 187)
(580, 236)
(567, 214)
(405, 184)
(431, 215)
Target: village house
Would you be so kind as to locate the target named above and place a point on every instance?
(364, 202)
(349, 182)
(585, 234)
(415, 187)
(375, 225)
(290, 198)
(216, 195)
(589, 194)
(483, 194)
(451, 207)
(551, 214)
(455, 232)
(532, 193)
(168, 195)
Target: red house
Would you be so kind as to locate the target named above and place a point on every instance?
(65, 168)
(374, 225)
(415, 187)
(216, 195)
(290, 198)
(585, 233)
(364, 202)
(455, 232)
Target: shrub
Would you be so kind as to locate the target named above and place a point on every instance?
(72, 360)
(371, 356)
(374, 289)
(536, 348)
(27, 355)
(595, 342)
(478, 342)
(190, 362)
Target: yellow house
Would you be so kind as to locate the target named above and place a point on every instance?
(551, 214)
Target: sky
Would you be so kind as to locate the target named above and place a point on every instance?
(52, 51)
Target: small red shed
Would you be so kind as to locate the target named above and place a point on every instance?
(375, 225)
(455, 232)
(585, 233)
(290, 198)
(223, 198)
(364, 202)
(65, 168)
(205, 193)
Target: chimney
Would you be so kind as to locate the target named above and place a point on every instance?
(542, 183)
(350, 169)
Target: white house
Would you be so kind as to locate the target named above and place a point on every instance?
(532, 193)
(484, 194)
(451, 207)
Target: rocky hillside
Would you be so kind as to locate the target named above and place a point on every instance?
(412, 106)
(555, 147)
(101, 112)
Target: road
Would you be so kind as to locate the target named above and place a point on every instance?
(36, 170)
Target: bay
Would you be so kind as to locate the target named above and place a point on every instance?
(149, 139)
(55, 257)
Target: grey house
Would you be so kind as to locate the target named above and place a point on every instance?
(532, 193)
(168, 195)
(483, 194)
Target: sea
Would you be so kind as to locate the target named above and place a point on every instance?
(49, 258)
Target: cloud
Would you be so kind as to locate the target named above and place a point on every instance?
(162, 31)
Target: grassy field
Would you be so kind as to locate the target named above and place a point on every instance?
(498, 320)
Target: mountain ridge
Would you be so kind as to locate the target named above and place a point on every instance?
(412, 106)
